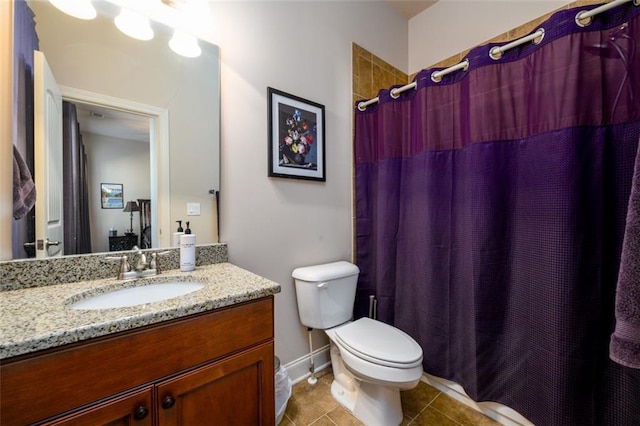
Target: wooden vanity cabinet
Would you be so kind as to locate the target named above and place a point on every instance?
(225, 393)
(214, 368)
(131, 409)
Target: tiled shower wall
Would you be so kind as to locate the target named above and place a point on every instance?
(370, 74)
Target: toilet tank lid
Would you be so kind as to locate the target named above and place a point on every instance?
(325, 272)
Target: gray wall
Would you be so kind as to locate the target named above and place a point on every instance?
(273, 225)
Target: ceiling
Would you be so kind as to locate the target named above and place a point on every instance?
(113, 123)
(122, 125)
(411, 8)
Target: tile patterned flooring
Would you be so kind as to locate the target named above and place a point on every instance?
(423, 405)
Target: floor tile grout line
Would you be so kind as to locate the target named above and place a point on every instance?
(330, 419)
(425, 407)
(290, 419)
(315, 420)
(434, 398)
(330, 411)
(449, 417)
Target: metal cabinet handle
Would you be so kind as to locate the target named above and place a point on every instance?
(168, 402)
(141, 412)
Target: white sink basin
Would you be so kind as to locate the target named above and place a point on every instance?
(137, 295)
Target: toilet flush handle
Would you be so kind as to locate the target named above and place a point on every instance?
(323, 285)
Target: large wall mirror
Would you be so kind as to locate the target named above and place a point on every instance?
(150, 124)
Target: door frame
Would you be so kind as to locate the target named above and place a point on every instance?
(158, 148)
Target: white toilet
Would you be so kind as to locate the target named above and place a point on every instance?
(372, 361)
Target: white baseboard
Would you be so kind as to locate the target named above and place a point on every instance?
(298, 369)
(498, 412)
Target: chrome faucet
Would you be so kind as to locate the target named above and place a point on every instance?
(154, 262)
(124, 271)
(141, 267)
(140, 264)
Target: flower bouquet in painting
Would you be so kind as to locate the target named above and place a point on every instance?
(297, 137)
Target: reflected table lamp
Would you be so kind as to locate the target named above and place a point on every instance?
(131, 207)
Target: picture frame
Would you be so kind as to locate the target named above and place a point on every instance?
(296, 137)
(111, 196)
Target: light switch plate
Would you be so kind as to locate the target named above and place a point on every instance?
(193, 209)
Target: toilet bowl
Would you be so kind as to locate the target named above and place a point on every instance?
(378, 352)
(372, 361)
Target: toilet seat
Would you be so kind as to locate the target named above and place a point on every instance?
(379, 343)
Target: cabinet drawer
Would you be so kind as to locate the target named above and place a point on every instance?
(132, 409)
(43, 385)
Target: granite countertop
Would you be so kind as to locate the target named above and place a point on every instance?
(33, 319)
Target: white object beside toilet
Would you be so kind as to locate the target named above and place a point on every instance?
(372, 361)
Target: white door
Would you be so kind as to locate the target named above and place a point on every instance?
(48, 160)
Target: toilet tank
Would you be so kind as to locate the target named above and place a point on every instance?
(326, 293)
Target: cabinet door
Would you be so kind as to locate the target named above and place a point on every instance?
(132, 409)
(238, 390)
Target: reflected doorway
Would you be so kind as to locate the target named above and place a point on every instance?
(117, 147)
(97, 107)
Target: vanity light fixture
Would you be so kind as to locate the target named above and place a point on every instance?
(82, 9)
(184, 44)
(134, 25)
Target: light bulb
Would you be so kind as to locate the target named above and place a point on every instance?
(134, 25)
(82, 9)
(184, 44)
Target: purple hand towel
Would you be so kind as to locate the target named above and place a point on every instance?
(625, 340)
(24, 190)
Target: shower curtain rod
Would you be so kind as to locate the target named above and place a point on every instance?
(583, 18)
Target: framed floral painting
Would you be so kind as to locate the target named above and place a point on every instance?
(296, 137)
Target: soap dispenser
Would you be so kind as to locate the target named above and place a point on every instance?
(187, 250)
(176, 235)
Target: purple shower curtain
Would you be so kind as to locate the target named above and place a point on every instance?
(490, 213)
(77, 229)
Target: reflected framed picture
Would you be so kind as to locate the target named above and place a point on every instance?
(111, 195)
(296, 137)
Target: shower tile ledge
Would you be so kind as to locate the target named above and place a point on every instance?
(34, 319)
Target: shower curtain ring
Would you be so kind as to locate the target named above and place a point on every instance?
(539, 38)
(583, 22)
(495, 53)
